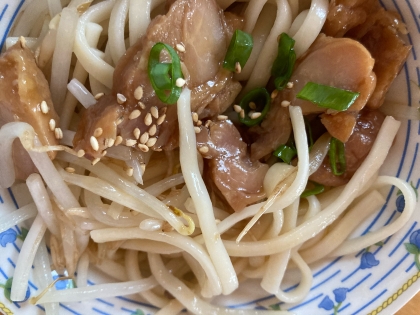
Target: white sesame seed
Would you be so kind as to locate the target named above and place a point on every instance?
(152, 130)
(80, 153)
(151, 142)
(130, 142)
(111, 142)
(250, 113)
(98, 96)
(95, 161)
(143, 147)
(70, 169)
(148, 119)
(161, 119)
(104, 152)
(154, 111)
(118, 140)
(136, 133)
(204, 149)
(143, 167)
(237, 108)
(197, 129)
(238, 68)
(22, 41)
(255, 115)
(208, 123)
(119, 120)
(94, 143)
(98, 132)
(134, 114)
(180, 82)
(58, 133)
(44, 107)
(121, 99)
(274, 94)
(144, 137)
(285, 103)
(180, 47)
(222, 117)
(289, 85)
(199, 123)
(52, 124)
(138, 93)
(129, 171)
(157, 149)
(141, 104)
(252, 105)
(194, 116)
(242, 114)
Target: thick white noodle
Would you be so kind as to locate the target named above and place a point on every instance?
(200, 195)
(138, 19)
(54, 7)
(98, 291)
(29, 16)
(116, 28)
(26, 258)
(172, 308)
(62, 57)
(328, 215)
(42, 200)
(311, 27)
(94, 65)
(190, 300)
(9, 220)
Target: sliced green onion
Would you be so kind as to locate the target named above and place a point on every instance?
(318, 188)
(261, 99)
(328, 96)
(337, 156)
(283, 65)
(163, 76)
(239, 50)
(285, 153)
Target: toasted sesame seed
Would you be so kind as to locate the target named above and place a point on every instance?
(285, 103)
(152, 130)
(242, 114)
(22, 41)
(180, 82)
(80, 153)
(96, 161)
(52, 124)
(98, 132)
(204, 149)
(136, 133)
(194, 116)
(134, 114)
(104, 152)
(250, 113)
(180, 47)
(94, 143)
(154, 111)
(129, 171)
(143, 147)
(237, 108)
(121, 99)
(58, 133)
(143, 167)
(148, 119)
(130, 142)
(255, 115)
(274, 94)
(161, 119)
(111, 142)
(238, 68)
(197, 129)
(151, 142)
(44, 107)
(138, 93)
(252, 105)
(289, 85)
(199, 123)
(157, 149)
(141, 104)
(70, 169)
(144, 137)
(120, 120)
(118, 140)
(222, 117)
(208, 123)
(98, 96)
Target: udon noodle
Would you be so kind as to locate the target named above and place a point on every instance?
(150, 219)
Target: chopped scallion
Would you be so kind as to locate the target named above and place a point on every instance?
(285, 153)
(283, 65)
(328, 96)
(261, 100)
(239, 50)
(317, 189)
(337, 155)
(163, 76)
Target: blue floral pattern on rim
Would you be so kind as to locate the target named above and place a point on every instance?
(340, 295)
